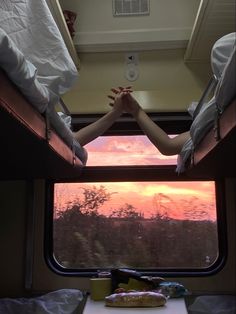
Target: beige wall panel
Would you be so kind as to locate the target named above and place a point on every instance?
(12, 237)
(165, 82)
(43, 278)
(97, 29)
(99, 16)
(224, 281)
(13, 242)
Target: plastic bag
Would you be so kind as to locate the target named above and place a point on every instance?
(63, 301)
(217, 304)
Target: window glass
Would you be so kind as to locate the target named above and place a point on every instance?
(147, 225)
(125, 150)
(168, 224)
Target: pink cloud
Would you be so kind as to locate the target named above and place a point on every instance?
(128, 150)
(146, 197)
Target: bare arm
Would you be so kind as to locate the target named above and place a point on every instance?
(93, 130)
(165, 144)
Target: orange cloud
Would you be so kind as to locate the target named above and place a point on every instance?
(146, 197)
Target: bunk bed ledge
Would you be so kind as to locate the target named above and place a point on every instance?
(216, 158)
(26, 152)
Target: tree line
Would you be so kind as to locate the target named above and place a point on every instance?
(85, 238)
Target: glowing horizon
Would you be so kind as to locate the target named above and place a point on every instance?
(125, 150)
(181, 200)
(148, 199)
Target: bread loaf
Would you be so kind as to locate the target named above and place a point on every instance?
(136, 299)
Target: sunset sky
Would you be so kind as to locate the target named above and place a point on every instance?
(125, 150)
(180, 199)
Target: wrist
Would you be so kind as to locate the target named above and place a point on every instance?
(137, 112)
(116, 111)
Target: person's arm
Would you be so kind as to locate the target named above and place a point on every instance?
(93, 130)
(165, 144)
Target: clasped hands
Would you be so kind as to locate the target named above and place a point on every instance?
(123, 101)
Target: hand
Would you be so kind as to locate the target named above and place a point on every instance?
(124, 100)
(120, 91)
(131, 105)
(118, 99)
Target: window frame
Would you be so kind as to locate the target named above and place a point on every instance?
(124, 126)
(170, 122)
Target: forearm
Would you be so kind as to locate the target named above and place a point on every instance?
(165, 144)
(93, 130)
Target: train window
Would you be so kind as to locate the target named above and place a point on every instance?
(125, 150)
(133, 212)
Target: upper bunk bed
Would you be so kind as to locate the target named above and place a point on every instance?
(211, 150)
(30, 147)
(215, 155)
(35, 70)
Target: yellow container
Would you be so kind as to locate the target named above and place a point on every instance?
(100, 288)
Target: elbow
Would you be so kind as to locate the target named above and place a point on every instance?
(171, 147)
(169, 150)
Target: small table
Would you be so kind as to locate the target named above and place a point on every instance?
(173, 306)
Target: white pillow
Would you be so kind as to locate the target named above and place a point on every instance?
(22, 73)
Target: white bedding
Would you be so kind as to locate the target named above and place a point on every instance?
(223, 66)
(226, 89)
(22, 73)
(32, 28)
(62, 128)
(34, 56)
(202, 123)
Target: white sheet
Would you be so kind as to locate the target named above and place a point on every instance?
(33, 54)
(221, 53)
(226, 89)
(30, 25)
(223, 65)
(62, 128)
(22, 73)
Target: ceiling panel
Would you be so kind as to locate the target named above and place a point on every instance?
(215, 18)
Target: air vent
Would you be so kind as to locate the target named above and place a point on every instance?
(130, 7)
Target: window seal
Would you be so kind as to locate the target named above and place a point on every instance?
(171, 122)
